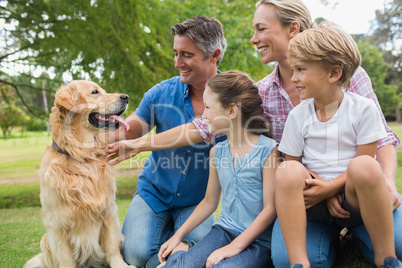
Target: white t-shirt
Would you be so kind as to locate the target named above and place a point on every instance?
(327, 147)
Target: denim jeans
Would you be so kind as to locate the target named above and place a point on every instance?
(322, 239)
(255, 255)
(362, 239)
(145, 231)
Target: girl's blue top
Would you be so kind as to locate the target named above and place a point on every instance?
(242, 186)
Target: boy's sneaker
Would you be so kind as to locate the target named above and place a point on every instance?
(297, 266)
(391, 262)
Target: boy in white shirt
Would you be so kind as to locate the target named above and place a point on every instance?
(331, 138)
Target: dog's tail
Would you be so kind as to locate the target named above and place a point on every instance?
(35, 262)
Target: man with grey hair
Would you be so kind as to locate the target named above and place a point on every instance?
(173, 181)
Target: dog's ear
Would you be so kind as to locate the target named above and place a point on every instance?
(71, 99)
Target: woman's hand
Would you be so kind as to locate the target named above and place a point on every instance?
(122, 150)
(393, 192)
(335, 208)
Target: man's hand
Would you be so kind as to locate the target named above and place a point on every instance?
(315, 191)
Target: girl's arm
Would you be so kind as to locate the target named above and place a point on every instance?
(204, 209)
(261, 222)
(183, 135)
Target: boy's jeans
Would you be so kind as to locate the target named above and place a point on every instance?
(321, 239)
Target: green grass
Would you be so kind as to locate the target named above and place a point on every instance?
(27, 194)
(396, 128)
(21, 230)
(20, 156)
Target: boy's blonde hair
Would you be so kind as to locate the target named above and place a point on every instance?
(329, 45)
(289, 11)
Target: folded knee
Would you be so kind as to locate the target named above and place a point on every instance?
(289, 173)
(364, 169)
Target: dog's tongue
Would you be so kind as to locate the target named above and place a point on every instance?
(121, 121)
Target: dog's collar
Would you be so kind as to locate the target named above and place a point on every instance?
(58, 149)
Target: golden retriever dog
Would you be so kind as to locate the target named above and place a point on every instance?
(77, 187)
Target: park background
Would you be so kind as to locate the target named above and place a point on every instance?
(126, 46)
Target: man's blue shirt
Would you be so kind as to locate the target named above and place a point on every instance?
(173, 178)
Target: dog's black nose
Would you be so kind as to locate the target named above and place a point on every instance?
(124, 97)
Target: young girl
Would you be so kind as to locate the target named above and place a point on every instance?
(243, 168)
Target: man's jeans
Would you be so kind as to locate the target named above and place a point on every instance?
(321, 239)
(145, 231)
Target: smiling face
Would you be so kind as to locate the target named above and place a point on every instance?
(310, 79)
(88, 100)
(270, 37)
(217, 117)
(194, 69)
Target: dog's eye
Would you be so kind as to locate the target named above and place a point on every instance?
(95, 91)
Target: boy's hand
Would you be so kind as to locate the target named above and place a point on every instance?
(334, 207)
(314, 192)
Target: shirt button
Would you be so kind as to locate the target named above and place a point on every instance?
(188, 151)
(183, 172)
(178, 194)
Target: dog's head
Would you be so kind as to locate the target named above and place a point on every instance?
(89, 102)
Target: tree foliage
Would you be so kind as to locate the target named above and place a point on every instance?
(377, 68)
(387, 36)
(125, 46)
(11, 115)
(110, 42)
